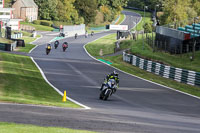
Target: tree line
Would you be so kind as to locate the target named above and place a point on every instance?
(79, 11)
(172, 11)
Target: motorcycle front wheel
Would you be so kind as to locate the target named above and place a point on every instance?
(107, 94)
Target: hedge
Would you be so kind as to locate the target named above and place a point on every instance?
(43, 22)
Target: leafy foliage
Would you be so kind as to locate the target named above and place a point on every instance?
(78, 11)
(87, 9)
(147, 27)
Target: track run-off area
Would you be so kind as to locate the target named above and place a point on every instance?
(137, 106)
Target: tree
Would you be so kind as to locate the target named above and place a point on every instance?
(87, 9)
(45, 8)
(196, 6)
(9, 3)
(175, 11)
(67, 12)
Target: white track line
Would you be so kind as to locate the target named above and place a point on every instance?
(33, 49)
(35, 105)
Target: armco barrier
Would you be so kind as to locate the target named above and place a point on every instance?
(177, 74)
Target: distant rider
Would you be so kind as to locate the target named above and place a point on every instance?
(86, 34)
(92, 33)
(56, 43)
(113, 75)
(48, 48)
(76, 35)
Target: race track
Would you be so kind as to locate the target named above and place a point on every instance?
(138, 105)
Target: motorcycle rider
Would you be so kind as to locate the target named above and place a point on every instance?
(92, 33)
(65, 46)
(86, 34)
(56, 43)
(76, 35)
(113, 75)
(48, 48)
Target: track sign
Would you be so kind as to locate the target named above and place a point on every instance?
(118, 27)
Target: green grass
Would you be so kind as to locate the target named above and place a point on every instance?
(38, 27)
(136, 47)
(4, 40)
(147, 18)
(28, 34)
(21, 128)
(26, 49)
(106, 44)
(21, 82)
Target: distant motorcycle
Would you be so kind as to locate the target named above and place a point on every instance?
(56, 44)
(48, 51)
(108, 89)
(76, 35)
(92, 33)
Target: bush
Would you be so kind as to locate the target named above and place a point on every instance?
(46, 23)
(36, 22)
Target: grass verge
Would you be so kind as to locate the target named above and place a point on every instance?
(21, 128)
(21, 82)
(137, 47)
(4, 40)
(102, 46)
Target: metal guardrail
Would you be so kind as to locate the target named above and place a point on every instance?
(177, 74)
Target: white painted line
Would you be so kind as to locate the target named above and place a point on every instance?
(137, 76)
(35, 105)
(33, 49)
(43, 75)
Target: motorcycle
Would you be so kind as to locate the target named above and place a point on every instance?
(65, 46)
(108, 89)
(56, 44)
(76, 35)
(48, 51)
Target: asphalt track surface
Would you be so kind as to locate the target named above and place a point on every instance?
(138, 105)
